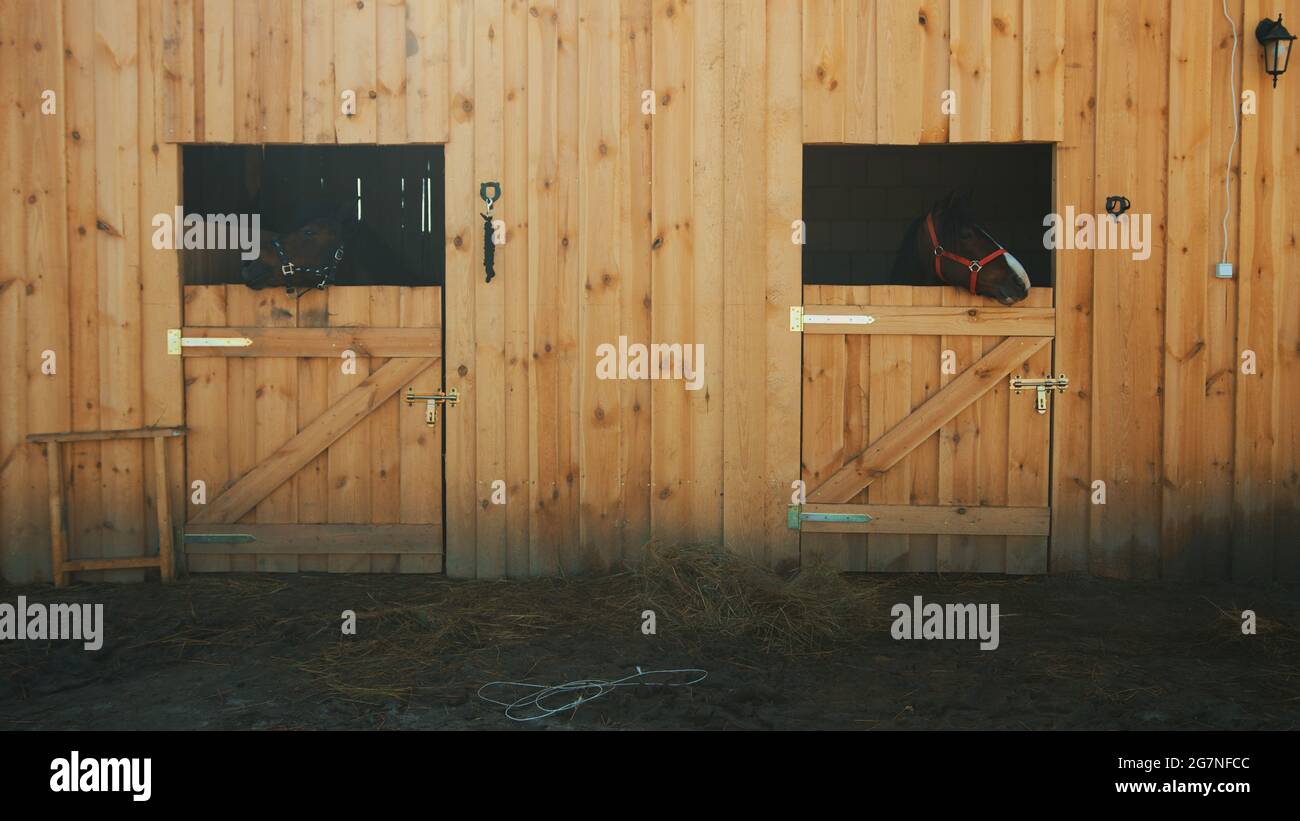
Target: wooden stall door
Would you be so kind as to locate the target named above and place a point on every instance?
(948, 467)
(310, 464)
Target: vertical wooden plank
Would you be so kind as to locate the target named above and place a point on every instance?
(20, 506)
(426, 71)
(1007, 69)
(1043, 99)
(166, 549)
(462, 228)
(15, 492)
(1072, 411)
(385, 440)
(1028, 439)
(899, 83)
(542, 298)
(58, 514)
(276, 419)
(390, 72)
(349, 457)
(744, 366)
(824, 422)
(857, 398)
(569, 284)
(489, 298)
(161, 289)
(891, 373)
(206, 442)
(933, 18)
(598, 197)
(219, 71)
(355, 70)
(249, 86)
(672, 264)
(859, 19)
(991, 420)
(825, 90)
(635, 173)
(421, 446)
(319, 101)
(959, 450)
(1215, 541)
(241, 404)
(20, 497)
(312, 481)
(1187, 259)
(1261, 237)
(971, 68)
(1286, 462)
(784, 278)
(280, 56)
(118, 253)
(1126, 441)
(176, 86)
(85, 510)
(37, 197)
(705, 404)
(512, 262)
(923, 462)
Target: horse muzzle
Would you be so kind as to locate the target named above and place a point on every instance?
(256, 274)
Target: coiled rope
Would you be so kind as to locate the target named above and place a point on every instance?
(542, 701)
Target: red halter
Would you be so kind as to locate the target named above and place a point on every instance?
(973, 265)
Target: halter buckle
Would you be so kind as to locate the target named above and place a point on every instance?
(287, 270)
(338, 255)
(975, 266)
(938, 250)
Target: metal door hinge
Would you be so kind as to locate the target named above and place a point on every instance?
(795, 516)
(219, 538)
(798, 319)
(431, 402)
(176, 342)
(1041, 388)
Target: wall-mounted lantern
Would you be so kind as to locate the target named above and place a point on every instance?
(1276, 40)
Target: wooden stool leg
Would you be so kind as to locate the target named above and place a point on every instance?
(58, 523)
(166, 551)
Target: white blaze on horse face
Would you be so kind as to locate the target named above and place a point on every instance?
(1018, 269)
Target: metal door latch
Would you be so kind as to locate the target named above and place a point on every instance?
(431, 402)
(1041, 388)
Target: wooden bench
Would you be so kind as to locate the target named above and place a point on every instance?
(165, 560)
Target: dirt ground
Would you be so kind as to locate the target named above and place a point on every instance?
(263, 652)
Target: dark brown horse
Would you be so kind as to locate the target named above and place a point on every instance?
(327, 248)
(945, 246)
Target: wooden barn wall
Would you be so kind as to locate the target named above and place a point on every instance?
(80, 277)
(667, 227)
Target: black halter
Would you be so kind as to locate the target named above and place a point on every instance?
(324, 275)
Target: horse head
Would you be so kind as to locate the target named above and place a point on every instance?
(306, 257)
(955, 250)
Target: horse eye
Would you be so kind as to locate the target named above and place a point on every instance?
(309, 233)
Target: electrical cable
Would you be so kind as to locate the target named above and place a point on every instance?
(533, 704)
(1227, 176)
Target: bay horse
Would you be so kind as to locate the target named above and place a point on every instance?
(945, 246)
(326, 248)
